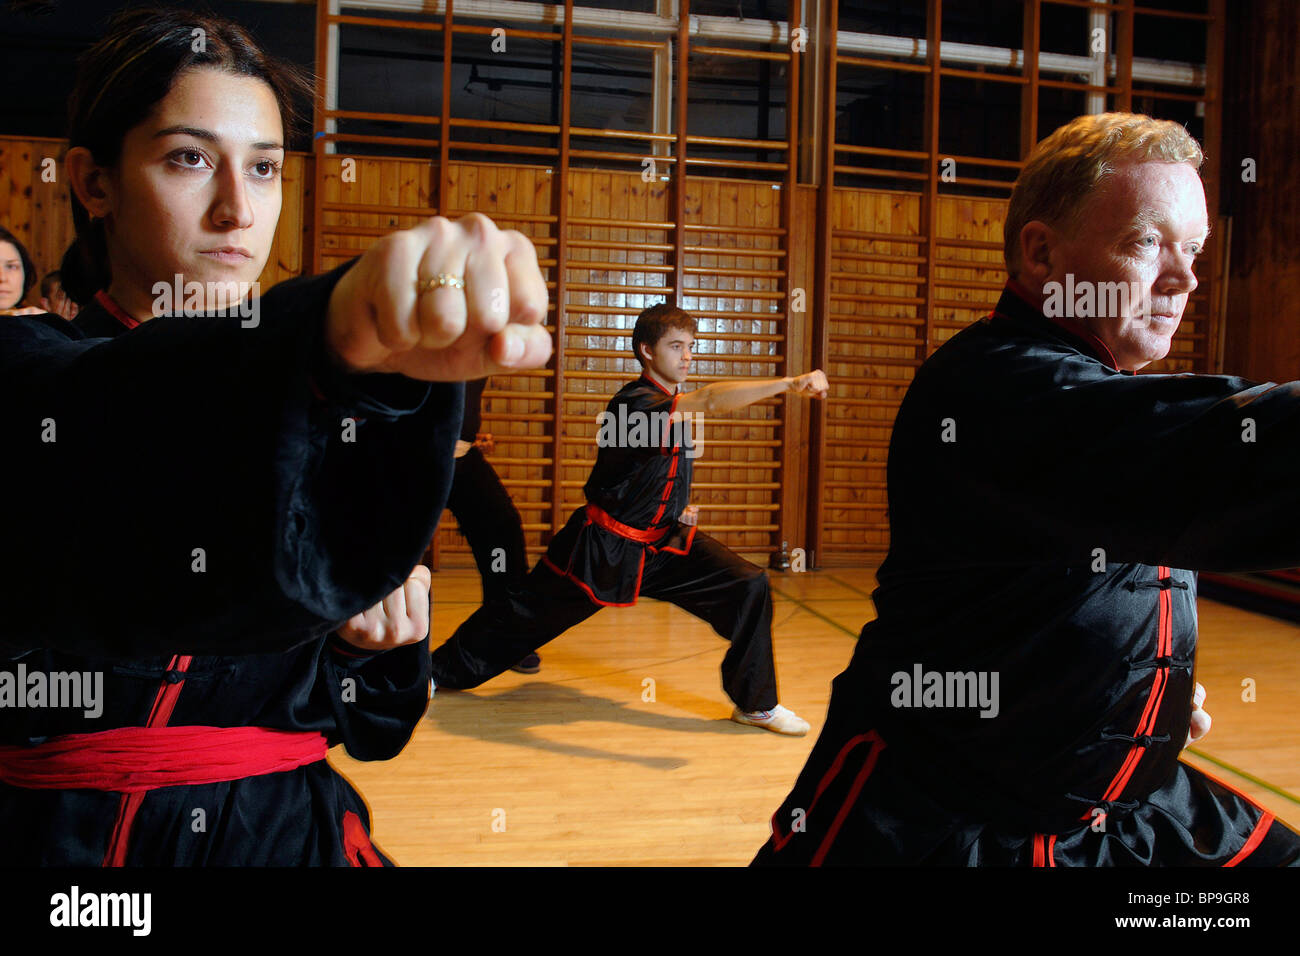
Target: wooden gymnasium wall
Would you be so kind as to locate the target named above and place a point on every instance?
(618, 264)
(370, 197)
(611, 242)
(899, 272)
(877, 334)
(34, 200)
(883, 275)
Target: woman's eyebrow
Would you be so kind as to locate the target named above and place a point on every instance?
(206, 135)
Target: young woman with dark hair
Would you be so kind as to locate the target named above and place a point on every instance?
(17, 275)
(208, 503)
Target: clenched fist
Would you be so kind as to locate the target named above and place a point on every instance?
(401, 618)
(378, 321)
(813, 384)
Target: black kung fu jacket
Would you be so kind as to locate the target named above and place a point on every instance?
(637, 489)
(1043, 507)
(200, 433)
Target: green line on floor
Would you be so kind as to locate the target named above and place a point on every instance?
(845, 584)
(1245, 776)
(814, 612)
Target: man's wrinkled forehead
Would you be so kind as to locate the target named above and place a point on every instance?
(1149, 195)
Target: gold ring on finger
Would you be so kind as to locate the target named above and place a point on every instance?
(441, 279)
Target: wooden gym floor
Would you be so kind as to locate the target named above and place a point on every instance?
(572, 766)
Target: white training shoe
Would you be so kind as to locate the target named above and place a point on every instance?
(779, 720)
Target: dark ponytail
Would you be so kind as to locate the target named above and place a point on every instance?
(125, 75)
(85, 272)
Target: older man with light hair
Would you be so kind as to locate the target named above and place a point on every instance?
(1045, 505)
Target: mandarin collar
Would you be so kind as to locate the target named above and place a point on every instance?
(1017, 302)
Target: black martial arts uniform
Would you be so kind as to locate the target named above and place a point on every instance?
(1041, 507)
(627, 542)
(487, 517)
(198, 522)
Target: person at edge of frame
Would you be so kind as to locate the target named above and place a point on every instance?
(218, 515)
(1024, 693)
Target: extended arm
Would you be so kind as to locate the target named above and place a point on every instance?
(238, 515)
(1185, 471)
(722, 397)
(261, 487)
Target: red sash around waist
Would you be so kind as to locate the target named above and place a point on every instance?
(601, 517)
(136, 759)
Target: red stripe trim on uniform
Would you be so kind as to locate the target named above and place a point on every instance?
(663, 502)
(116, 311)
(690, 537)
(1261, 826)
(1044, 849)
(837, 764)
(127, 807)
(668, 486)
(165, 702)
(160, 714)
(668, 426)
(356, 842)
(652, 381)
(1103, 351)
(1164, 648)
(592, 594)
(1160, 681)
(1227, 786)
(1136, 753)
(867, 767)
(1022, 293)
(1256, 838)
(1121, 778)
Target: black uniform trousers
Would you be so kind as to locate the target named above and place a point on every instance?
(489, 520)
(711, 582)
